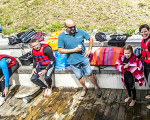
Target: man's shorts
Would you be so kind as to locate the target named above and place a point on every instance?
(81, 67)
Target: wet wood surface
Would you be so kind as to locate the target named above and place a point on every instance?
(68, 104)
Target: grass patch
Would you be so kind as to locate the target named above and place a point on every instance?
(47, 15)
(130, 31)
(55, 27)
(141, 5)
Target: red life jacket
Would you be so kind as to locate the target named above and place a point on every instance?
(12, 61)
(41, 59)
(144, 50)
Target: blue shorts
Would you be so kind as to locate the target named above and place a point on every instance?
(81, 67)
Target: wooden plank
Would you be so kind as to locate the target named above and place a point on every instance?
(110, 100)
(15, 104)
(71, 107)
(82, 105)
(124, 95)
(102, 104)
(35, 110)
(90, 111)
(26, 91)
(143, 112)
(28, 107)
(148, 114)
(17, 108)
(44, 106)
(122, 106)
(118, 95)
(61, 108)
(148, 101)
(63, 100)
(121, 112)
(134, 112)
(40, 106)
(138, 95)
(143, 94)
(12, 91)
(112, 97)
(52, 104)
(115, 105)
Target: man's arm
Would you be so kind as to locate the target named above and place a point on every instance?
(90, 44)
(90, 47)
(62, 50)
(49, 52)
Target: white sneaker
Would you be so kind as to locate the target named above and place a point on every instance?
(2, 100)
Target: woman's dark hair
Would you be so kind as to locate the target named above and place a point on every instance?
(144, 26)
(128, 47)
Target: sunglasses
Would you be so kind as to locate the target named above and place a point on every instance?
(71, 27)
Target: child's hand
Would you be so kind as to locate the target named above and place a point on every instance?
(126, 66)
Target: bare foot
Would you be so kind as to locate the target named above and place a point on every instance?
(49, 92)
(45, 93)
(132, 103)
(148, 106)
(147, 97)
(127, 99)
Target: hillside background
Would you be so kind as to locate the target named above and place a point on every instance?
(49, 15)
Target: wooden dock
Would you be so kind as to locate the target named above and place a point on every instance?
(68, 104)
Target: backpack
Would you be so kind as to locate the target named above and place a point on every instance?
(39, 36)
(119, 37)
(100, 37)
(26, 59)
(27, 36)
(13, 40)
(137, 52)
(118, 40)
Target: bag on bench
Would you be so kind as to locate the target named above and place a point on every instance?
(27, 36)
(26, 59)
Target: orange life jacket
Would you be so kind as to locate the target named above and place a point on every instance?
(144, 50)
(41, 59)
(12, 61)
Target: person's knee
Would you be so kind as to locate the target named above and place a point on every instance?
(33, 79)
(47, 78)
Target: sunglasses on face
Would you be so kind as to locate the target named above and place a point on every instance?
(71, 27)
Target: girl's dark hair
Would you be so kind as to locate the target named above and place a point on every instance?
(144, 26)
(128, 47)
(33, 40)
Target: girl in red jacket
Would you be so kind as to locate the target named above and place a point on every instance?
(131, 71)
